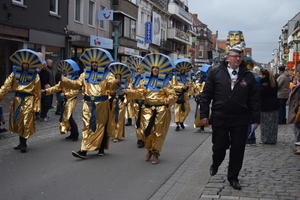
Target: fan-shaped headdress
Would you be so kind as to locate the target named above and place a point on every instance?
(26, 56)
(165, 65)
(181, 64)
(122, 69)
(133, 62)
(68, 68)
(102, 57)
(203, 72)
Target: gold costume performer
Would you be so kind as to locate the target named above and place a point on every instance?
(159, 96)
(198, 86)
(181, 83)
(69, 69)
(138, 106)
(116, 122)
(96, 82)
(130, 112)
(25, 82)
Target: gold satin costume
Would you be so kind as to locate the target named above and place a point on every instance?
(163, 117)
(198, 90)
(117, 129)
(70, 104)
(129, 110)
(139, 131)
(91, 140)
(179, 114)
(24, 126)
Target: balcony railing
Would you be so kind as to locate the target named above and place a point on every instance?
(166, 45)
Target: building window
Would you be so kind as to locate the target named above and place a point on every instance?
(142, 26)
(54, 7)
(129, 28)
(102, 22)
(78, 10)
(133, 1)
(18, 1)
(91, 19)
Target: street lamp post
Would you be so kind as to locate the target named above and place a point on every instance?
(275, 60)
(116, 25)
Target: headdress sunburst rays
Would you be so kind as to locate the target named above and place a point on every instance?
(163, 62)
(68, 68)
(26, 56)
(101, 56)
(122, 69)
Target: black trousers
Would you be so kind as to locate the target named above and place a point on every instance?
(232, 137)
(74, 127)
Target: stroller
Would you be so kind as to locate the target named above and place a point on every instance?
(2, 121)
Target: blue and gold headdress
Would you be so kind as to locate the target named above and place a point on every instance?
(165, 65)
(102, 57)
(133, 62)
(68, 68)
(26, 56)
(181, 64)
(122, 69)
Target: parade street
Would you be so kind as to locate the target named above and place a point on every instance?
(49, 171)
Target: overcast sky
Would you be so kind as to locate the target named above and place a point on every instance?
(259, 20)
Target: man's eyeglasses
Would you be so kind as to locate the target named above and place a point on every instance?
(235, 56)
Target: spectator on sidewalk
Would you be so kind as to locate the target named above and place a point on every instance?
(50, 70)
(234, 104)
(46, 102)
(283, 93)
(269, 107)
(293, 103)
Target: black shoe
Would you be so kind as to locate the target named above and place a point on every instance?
(101, 152)
(235, 184)
(213, 171)
(129, 122)
(23, 149)
(72, 138)
(177, 128)
(79, 154)
(141, 144)
(182, 125)
(57, 113)
(17, 147)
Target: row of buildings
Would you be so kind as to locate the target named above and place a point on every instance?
(64, 29)
(288, 51)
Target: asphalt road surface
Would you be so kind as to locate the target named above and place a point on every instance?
(49, 171)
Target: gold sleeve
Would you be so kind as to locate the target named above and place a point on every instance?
(70, 93)
(170, 93)
(54, 89)
(72, 84)
(37, 94)
(111, 82)
(6, 86)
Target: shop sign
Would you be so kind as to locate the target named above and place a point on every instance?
(128, 51)
(96, 41)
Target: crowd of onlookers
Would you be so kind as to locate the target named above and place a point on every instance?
(276, 93)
